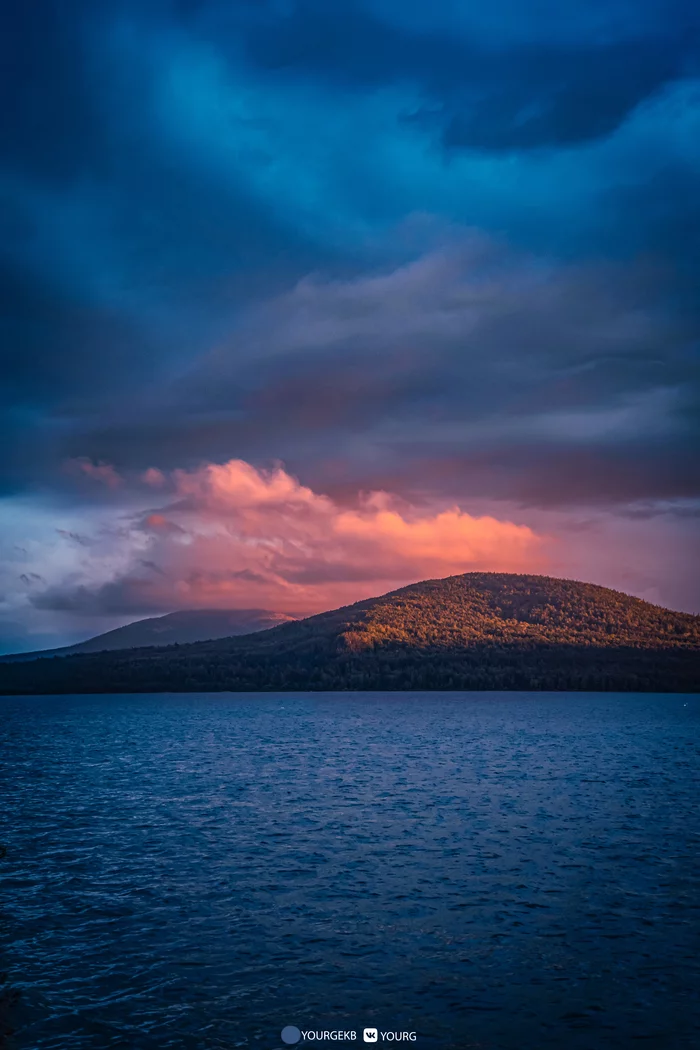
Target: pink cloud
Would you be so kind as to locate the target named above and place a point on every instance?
(159, 523)
(102, 472)
(153, 477)
(235, 536)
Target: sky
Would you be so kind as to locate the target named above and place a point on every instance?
(306, 300)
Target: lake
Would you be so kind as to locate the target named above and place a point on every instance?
(485, 870)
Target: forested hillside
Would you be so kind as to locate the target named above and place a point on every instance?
(475, 631)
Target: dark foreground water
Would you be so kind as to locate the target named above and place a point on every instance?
(494, 871)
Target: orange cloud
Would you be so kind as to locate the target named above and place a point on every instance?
(236, 536)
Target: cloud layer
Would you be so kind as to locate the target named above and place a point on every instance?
(471, 371)
(445, 251)
(233, 536)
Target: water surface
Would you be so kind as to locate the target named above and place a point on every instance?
(489, 870)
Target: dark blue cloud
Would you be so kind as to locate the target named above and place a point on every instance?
(448, 249)
(483, 95)
(166, 165)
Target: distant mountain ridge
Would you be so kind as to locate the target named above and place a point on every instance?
(181, 628)
(470, 632)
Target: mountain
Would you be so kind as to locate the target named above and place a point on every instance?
(189, 625)
(475, 631)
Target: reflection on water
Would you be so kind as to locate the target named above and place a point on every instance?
(492, 871)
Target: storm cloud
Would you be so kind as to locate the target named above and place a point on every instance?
(443, 251)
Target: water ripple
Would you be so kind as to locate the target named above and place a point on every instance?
(503, 871)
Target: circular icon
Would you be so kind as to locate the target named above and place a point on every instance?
(290, 1034)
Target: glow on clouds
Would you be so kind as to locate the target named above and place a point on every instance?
(232, 535)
